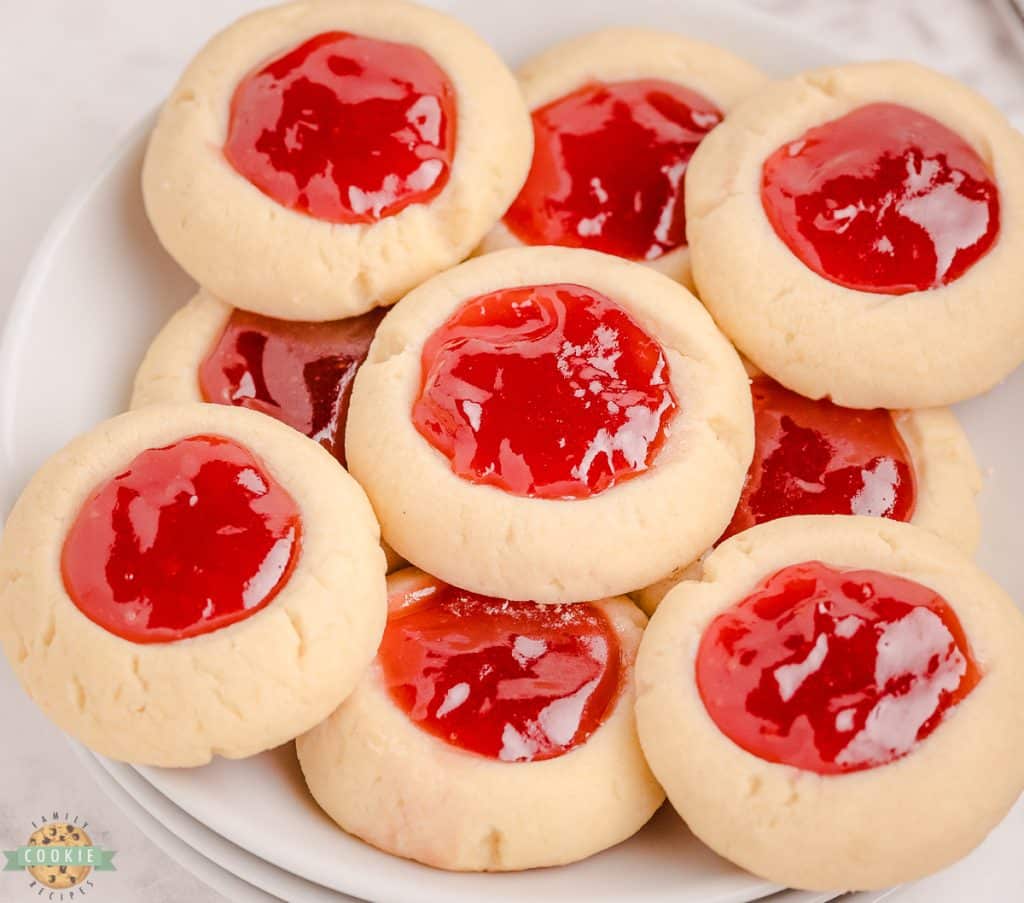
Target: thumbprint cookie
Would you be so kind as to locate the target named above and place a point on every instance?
(550, 423)
(488, 735)
(321, 158)
(838, 702)
(815, 457)
(187, 581)
(856, 232)
(617, 114)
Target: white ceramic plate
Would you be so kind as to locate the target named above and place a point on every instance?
(100, 287)
(229, 869)
(262, 806)
(171, 837)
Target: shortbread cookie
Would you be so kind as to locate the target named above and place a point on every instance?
(321, 158)
(187, 581)
(550, 423)
(855, 231)
(488, 735)
(617, 115)
(838, 703)
(299, 373)
(814, 457)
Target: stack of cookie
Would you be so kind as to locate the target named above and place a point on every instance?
(413, 511)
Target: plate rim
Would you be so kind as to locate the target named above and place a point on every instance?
(19, 312)
(204, 868)
(156, 807)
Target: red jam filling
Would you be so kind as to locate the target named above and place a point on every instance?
(188, 539)
(609, 163)
(834, 671)
(345, 128)
(814, 457)
(514, 681)
(884, 199)
(551, 391)
(299, 373)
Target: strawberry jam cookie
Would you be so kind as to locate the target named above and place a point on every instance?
(814, 457)
(299, 373)
(555, 404)
(187, 581)
(321, 158)
(488, 735)
(855, 232)
(617, 115)
(838, 703)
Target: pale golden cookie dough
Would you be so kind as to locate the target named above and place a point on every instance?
(864, 829)
(624, 54)
(247, 248)
(861, 349)
(487, 540)
(947, 485)
(170, 370)
(400, 788)
(233, 692)
(947, 476)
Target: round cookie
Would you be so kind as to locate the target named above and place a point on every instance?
(300, 242)
(904, 703)
(944, 479)
(611, 58)
(889, 343)
(194, 358)
(511, 542)
(178, 583)
(60, 877)
(406, 772)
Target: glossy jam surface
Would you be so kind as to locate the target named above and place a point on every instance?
(345, 128)
(188, 539)
(833, 671)
(514, 681)
(300, 373)
(883, 199)
(814, 457)
(552, 391)
(609, 164)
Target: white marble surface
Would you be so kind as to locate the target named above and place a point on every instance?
(968, 39)
(74, 74)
